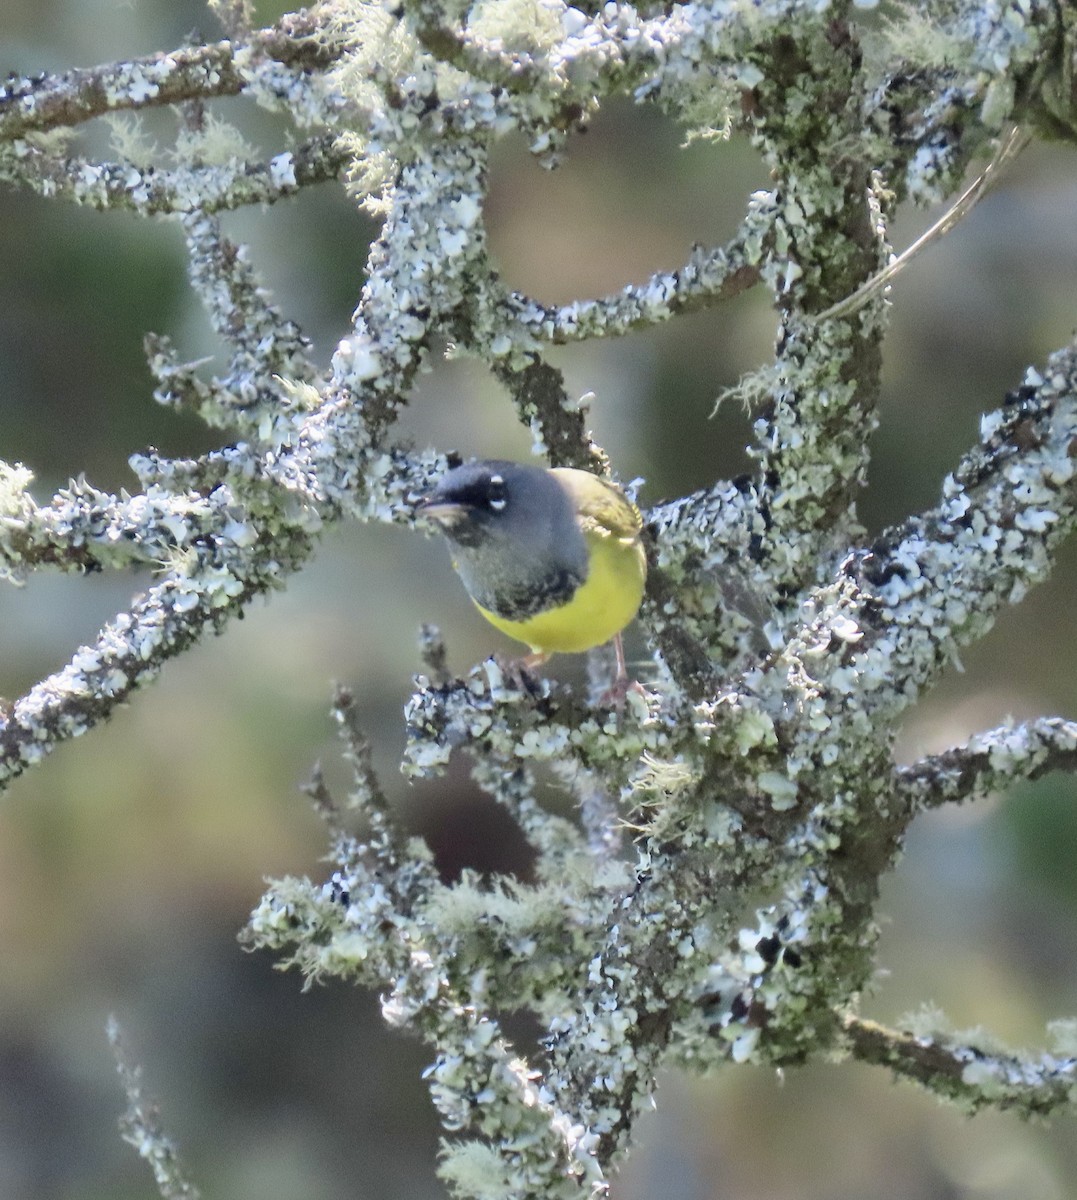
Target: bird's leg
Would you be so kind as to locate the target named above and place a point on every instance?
(535, 659)
(621, 679)
(618, 690)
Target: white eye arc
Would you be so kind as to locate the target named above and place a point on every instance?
(495, 493)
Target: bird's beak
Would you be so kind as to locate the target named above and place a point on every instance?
(441, 512)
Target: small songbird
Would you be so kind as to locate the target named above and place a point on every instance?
(550, 556)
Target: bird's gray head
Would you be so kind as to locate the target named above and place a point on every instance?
(515, 536)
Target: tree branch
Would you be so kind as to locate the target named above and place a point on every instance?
(190, 72)
(709, 277)
(757, 770)
(141, 1127)
(990, 762)
(974, 1076)
(155, 191)
(1005, 511)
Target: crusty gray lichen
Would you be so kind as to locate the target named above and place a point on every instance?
(759, 763)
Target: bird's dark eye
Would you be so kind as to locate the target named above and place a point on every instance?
(495, 493)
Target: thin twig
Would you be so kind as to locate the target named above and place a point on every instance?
(1009, 149)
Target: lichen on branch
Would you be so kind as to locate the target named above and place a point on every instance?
(716, 904)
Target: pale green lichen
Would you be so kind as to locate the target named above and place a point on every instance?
(475, 1169)
(917, 34)
(213, 142)
(131, 141)
(1062, 1037)
(525, 26)
(739, 924)
(381, 47)
(15, 480)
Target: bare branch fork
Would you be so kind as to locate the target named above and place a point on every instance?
(761, 758)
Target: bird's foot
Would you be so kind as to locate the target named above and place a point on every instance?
(617, 693)
(520, 672)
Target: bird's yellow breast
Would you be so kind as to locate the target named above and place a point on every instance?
(600, 607)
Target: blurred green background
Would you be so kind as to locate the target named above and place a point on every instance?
(129, 860)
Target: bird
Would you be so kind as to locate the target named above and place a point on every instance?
(551, 556)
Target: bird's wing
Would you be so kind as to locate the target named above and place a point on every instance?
(602, 508)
